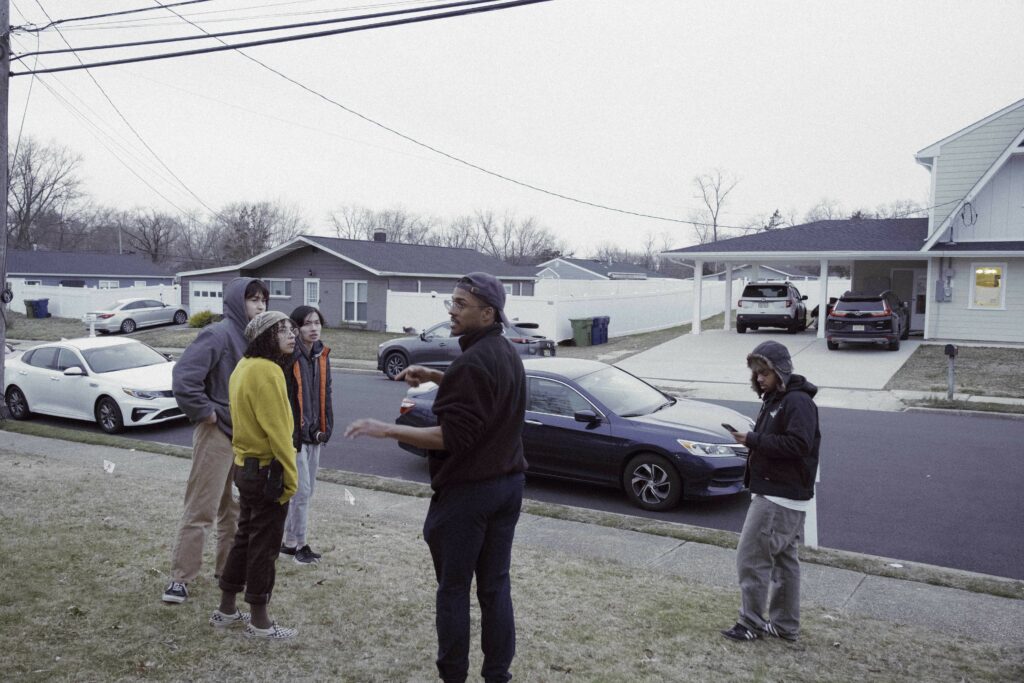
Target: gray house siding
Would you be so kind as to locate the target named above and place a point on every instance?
(957, 320)
(186, 280)
(963, 161)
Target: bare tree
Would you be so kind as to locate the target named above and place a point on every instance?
(246, 229)
(459, 233)
(713, 188)
(515, 241)
(398, 224)
(43, 185)
(900, 208)
(150, 232)
(826, 209)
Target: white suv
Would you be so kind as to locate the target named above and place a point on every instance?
(771, 304)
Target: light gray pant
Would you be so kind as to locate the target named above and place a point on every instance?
(769, 567)
(307, 462)
(207, 499)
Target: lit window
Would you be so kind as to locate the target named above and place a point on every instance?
(988, 286)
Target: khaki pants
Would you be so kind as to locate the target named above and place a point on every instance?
(207, 498)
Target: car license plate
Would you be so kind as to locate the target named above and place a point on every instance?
(858, 328)
(762, 305)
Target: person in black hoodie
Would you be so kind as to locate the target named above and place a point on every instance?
(476, 470)
(781, 469)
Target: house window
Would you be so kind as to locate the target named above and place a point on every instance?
(988, 286)
(108, 284)
(139, 283)
(508, 289)
(354, 301)
(279, 289)
(33, 282)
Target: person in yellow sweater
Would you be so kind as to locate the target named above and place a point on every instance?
(265, 474)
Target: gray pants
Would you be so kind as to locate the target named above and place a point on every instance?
(307, 462)
(769, 567)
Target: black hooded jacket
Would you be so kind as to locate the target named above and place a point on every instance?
(784, 444)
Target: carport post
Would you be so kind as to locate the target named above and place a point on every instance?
(698, 280)
(728, 296)
(811, 520)
(822, 296)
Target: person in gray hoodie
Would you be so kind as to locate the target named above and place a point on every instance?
(200, 385)
(781, 468)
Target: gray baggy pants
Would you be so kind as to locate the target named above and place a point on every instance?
(769, 567)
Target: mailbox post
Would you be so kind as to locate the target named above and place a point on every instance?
(951, 351)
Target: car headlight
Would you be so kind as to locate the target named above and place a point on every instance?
(709, 450)
(145, 394)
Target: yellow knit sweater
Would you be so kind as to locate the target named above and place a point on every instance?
(261, 418)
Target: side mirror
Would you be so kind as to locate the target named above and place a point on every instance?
(588, 416)
(803, 298)
(423, 336)
(74, 371)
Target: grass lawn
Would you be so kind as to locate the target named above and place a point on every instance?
(82, 582)
(980, 370)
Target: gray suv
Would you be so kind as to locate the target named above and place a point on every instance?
(771, 304)
(435, 347)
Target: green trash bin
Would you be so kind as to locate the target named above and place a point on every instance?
(30, 308)
(581, 330)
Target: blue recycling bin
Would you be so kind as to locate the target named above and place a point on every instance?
(40, 308)
(599, 331)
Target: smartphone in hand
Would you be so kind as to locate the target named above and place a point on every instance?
(729, 427)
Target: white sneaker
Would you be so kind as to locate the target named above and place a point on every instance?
(275, 632)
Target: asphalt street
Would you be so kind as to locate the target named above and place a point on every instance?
(937, 488)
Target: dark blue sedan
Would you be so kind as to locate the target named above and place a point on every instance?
(592, 422)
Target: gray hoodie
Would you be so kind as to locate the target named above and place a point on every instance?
(200, 377)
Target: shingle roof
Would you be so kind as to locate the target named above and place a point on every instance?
(875, 234)
(605, 268)
(82, 263)
(394, 257)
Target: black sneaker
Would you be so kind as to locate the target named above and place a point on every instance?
(305, 555)
(175, 593)
(740, 632)
(285, 550)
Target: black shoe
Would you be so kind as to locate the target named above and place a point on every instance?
(304, 555)
(740, 632)
(175, 593)
(285, 550)
(771, 630)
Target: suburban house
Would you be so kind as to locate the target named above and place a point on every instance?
(349, 280)
(85, 269)
(751, 272)
(592, 269)
(961, 268)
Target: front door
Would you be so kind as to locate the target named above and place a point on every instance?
(911, 286)
(312, 293)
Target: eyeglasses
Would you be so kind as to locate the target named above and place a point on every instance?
(456, 306)
(287, 332)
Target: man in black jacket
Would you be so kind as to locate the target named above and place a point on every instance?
(476, 470)
(781, 470)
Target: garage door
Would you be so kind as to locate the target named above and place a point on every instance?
(206, 296)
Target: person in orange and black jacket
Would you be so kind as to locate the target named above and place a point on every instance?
(309, 390)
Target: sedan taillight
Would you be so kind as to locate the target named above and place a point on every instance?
(104, 316)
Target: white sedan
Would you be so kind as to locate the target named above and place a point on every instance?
(116, 382)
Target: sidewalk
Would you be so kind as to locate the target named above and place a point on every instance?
(959, 613)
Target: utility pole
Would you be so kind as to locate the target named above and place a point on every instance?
(5, 84)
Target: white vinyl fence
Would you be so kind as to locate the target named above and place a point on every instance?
(633, 306)
(75, 302)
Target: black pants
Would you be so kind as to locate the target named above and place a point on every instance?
(469, 529)
(250, 564)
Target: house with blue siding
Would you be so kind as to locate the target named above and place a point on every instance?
(961, 269)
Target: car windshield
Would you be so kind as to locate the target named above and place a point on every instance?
(623, 393)
(765, 291)
(874, 305)
(121, 357)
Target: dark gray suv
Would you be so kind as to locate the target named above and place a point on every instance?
(859, 318)
(771, 304)
(435, 347)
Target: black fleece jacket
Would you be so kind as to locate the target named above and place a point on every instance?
(480, 406)
(784, 445)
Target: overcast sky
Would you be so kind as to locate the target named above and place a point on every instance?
(613, 102)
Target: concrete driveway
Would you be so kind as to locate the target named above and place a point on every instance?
(716, 356)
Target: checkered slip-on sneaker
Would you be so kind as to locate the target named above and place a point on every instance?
(220, 620)
(275, 632)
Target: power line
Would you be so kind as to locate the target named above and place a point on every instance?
(286, 39)
(98, 16)
(264, 29)
(127, 122)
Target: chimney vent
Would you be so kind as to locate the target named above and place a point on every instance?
(380, 236)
